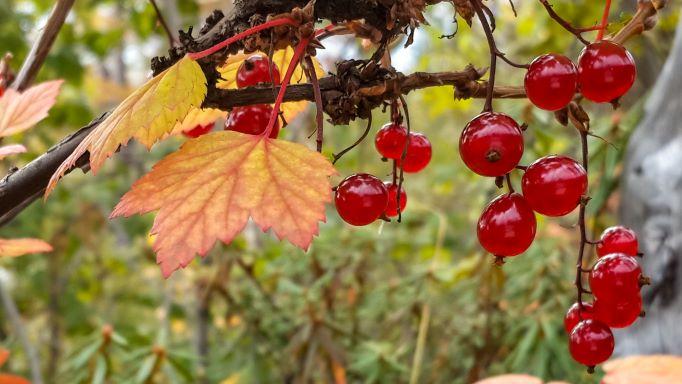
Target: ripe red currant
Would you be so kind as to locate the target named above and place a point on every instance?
(491, 144)
(361, 199)
(507, 226)
(419, 153)
(618, 240)
(551, 81)
(199, 130)
(392, 207)
(615, 277)
(254, 70)
(553, 185)
(252, 120)
(576, 315)
(606, 71)
(390, 140)
(620, 313)
(591, 342)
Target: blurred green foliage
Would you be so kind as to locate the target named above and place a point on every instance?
(260, 311)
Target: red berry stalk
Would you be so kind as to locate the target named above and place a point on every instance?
(604, 20)
(240, 36)
(298, 53)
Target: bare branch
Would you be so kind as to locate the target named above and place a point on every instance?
(35, 59)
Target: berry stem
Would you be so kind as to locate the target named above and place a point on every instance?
(604, 20)
(478, 8)
(312, 77)
(401, 177)
(581, 221)
(240, 36)
(565, 24)
(298, 53)
(357, 142)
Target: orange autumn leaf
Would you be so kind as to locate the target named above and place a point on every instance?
(149, 114)
(4, 355)
(654, 369)
(12, 379)
(20, 111)
(511, 379)
(20, 247)
(9, 150)
(210, 187)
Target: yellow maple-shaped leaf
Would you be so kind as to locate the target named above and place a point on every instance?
(281, 58)
(210, 187)
(149, 114)
(654, 369)
(20, 247)
(198, 116)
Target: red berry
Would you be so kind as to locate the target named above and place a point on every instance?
(419, 153)
(361, 199)
(254, 70)
(199, 130)
(606, 71)
(392, 207)
(491, 144)
(507, 226)
(620, 313)
(618, 240)
(591, 343)
(551, 81)
(390, 140)
(252, 120)
(615, 276)
(575, 315)
(553, 185)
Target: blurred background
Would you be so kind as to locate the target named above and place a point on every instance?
(259, 311)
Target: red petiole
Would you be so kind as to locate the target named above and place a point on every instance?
(298, 52)
(239, 36)
(604, 20)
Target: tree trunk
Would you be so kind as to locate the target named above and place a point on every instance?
(651, 204)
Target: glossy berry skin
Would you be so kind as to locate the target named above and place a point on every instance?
(254, 70)
(615, 277)
(618, 240)
(419, 153)
(199, 130)
(252, 120)
(575, 315)
(360, 199)
(507, 226)
(591, 342)
(491, 144)
(619, 313)
(390, 140)
(392, 207)
(551, 81)
(606, 71)
(553, 185)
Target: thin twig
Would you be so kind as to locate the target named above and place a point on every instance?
(565, 24)
(401, 177)
(581, 221)
(159, 16)
(36, 57)
(356, 143)
(319, 116)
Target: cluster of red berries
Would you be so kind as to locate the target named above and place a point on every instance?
(605, 72)
(492, 145)
(615, 281)
(251, 119)
(361, 199)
